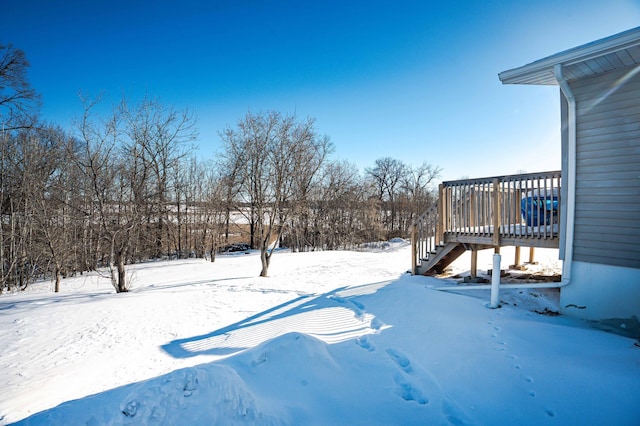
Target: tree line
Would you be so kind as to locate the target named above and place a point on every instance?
(126, 186)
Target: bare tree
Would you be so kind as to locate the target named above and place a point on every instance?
(159, 137)
(402, 191)
(387, 175)
(18, 101)
(215, 211)
(53, 203)
(101, 164)
(339, 220)
(417, 190)
(308, 163)
(18, 112)
(21, 172)
(265, 155)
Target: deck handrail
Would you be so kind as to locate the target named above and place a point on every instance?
(522, 176)
(521, 209)
(425, 235)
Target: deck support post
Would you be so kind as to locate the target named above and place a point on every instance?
(516, 260)
(474, 263)
(532, 252)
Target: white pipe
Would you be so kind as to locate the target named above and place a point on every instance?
(571, 174)
(502, 286)
(495, 281)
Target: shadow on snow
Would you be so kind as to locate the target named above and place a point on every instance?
(332, 317)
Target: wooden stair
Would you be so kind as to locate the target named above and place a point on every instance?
(438, 259)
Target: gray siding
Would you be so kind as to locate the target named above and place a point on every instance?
(607, 222)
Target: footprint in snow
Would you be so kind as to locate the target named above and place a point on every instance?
(357, 307)
(339, 299)
(130, 409)
(190, 385)
(400, 359)
(365, 343)
(376, 324)
(454, 414)
(358, 304)
(408, 392)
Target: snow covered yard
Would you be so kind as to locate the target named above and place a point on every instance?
(328, 338)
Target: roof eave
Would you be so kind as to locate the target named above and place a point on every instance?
(541, 71)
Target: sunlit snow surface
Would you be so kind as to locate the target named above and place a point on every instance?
(338, 338)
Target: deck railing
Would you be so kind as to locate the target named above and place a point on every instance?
(525, 206)
(518, 210)
(425, 235)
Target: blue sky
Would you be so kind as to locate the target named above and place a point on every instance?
(413, 80)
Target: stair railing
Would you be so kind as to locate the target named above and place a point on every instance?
(426, 236)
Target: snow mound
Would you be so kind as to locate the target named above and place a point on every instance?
(288, 350)
(378, 246)
(398, 240)
(292, 372)
(205, 394)
(209, 393)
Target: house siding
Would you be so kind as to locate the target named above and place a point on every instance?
(607, 217)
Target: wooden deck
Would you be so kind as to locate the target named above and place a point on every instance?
(472, 214)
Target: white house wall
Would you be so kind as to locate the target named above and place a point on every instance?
(605, 272)
(604, 293)
(607, 219)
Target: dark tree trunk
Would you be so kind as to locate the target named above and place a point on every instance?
(265, 258)
(122, 277)
(57, 284)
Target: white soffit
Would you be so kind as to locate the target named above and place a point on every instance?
(615, 52)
